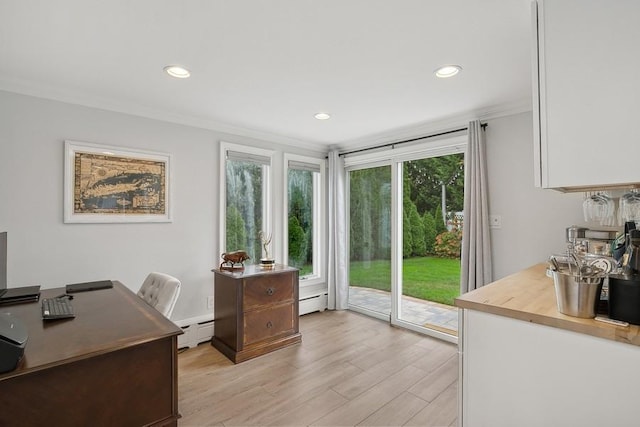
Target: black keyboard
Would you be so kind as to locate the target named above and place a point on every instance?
(57, 308)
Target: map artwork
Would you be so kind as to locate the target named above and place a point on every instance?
(118, 185)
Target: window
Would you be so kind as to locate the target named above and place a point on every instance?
(246, 210)
(294, 217)
(304, 202)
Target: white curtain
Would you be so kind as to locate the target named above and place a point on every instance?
(476, 238)
(337, 243)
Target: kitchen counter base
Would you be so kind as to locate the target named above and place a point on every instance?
(523, 374)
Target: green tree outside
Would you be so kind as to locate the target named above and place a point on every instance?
(429, 232)
(418, 247)
(236, 233)
(300, 191)
(297, 243)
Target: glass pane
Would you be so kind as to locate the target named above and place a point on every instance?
(370, 239)
(300, 189)
(244, 207)
(432, 234)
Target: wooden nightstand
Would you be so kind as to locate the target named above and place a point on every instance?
(256, 311)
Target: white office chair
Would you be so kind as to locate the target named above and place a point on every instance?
(161, 292)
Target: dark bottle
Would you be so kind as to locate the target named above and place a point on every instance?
(632, 254)
(620, 246)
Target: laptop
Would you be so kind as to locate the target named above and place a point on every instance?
(23, 294)
(89, 286)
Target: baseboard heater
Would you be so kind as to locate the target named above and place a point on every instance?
(196, 331)
(314, 302)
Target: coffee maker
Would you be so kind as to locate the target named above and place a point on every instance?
(624, 288)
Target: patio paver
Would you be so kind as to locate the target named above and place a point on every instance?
(414, 310)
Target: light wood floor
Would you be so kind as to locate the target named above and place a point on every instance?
(349, 370)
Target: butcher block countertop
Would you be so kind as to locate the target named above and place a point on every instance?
(529, 295)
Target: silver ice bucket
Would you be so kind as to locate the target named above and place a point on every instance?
(577, 296)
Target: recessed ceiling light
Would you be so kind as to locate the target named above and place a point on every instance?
(177, 71)
(448, 71)
(322, 116)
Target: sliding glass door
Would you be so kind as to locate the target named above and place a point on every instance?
(432, 202)
(405, 236)
(370, 241)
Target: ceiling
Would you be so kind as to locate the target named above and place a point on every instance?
(264, 68)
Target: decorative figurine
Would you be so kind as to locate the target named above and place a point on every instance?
(267, 261)
(233, 258)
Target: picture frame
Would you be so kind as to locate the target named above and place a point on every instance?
(109, 184)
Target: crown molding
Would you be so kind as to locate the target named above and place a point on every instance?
(23, 87)
(436, 126)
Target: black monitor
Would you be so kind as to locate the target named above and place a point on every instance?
(3, 260)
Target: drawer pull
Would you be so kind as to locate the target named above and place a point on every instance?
(269, 324)
(270, 291)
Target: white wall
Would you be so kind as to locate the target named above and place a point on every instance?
(43, 250)
(533, 220)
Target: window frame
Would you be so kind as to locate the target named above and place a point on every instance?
(267, 176)
(319, 217)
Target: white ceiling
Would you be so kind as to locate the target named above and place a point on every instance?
(263, 68)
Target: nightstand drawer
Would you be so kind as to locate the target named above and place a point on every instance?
(267, 290)
(263, 324)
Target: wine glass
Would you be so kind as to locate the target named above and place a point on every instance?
(599, 207)
(630, 206)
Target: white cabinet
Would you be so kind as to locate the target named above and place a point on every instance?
(587, 93)
(518, 373)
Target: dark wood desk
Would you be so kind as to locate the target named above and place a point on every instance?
(115, 363)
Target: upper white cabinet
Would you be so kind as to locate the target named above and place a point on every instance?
(587, 93)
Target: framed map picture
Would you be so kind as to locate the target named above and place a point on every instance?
(113, 184)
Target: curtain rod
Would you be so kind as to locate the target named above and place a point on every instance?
(393, 144)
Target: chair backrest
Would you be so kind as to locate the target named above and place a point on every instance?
(161, 292)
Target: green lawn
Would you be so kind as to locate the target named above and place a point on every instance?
(428, 278)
